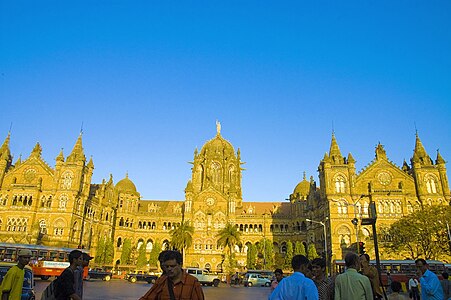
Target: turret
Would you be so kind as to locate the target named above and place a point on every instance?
(5, 158)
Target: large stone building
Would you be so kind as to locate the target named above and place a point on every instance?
(61, 206)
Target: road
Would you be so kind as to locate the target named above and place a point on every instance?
(120, 289)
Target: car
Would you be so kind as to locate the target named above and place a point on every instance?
(99, 273)
(251, 279)
(28, 283)
(204, 276)
(141, 276)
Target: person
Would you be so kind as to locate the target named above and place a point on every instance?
(431, 289)
(396, 289)
(278, 276)
(324, 284)
(78, 274)
(296, 286)
(175, 283)
(372, 274)
(65, 286)
(351, 284)
(414, 291)
(11, 287)
(389, 281)
(446, 286)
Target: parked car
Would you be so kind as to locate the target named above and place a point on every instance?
(141, 276)
(99, 273)
(251, 279)
(28, 283)
(204, 277)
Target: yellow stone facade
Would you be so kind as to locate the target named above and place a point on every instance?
(61, 206)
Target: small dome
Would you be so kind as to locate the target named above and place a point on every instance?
(303, 187)
(126, 185)
(218, 145)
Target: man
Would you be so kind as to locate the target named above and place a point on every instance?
(175, 283)
(396, 288)
(78, 274)
(431, 289)
(351, 284)
(414, 291)
(65, 286)
(278, 276)
(324, 284)
(11, 288)
(372, 274)
(446, 286)
(296, 286)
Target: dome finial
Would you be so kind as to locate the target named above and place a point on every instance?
(218, 127)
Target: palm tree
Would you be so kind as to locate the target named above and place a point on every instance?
(182, 237)
(228, 237)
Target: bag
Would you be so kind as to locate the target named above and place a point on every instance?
(50, 291)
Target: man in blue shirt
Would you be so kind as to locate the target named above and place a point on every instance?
(431, 289)
(296, 286)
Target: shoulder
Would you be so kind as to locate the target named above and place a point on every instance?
(190, 279)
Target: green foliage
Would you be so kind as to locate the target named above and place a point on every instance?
(251, 257)
(100, 252)
(288, 255)
(299, 249)
(109, 251)
(182, 236)
(265, 254)
(228, 237)
(423, 234)
(126, 252)
(141, 261)
(153, 259)
(312, 254)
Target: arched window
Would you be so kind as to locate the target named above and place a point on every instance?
(344, 235)
(431, 184)
(149, 245)
(119, 242)
(340, 184)
(215, 172)
(63, 201)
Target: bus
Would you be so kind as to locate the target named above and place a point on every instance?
(400, 270)
(46, 261)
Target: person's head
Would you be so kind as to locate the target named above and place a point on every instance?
(318, 267)
(422, 265)
(160, 259)
(24, 256)
(278, 273)
(172, 264)
(86, 259)
(299, 263)
(364, 260)
(445, 275)
(396, 286)
(76, 257)
(352, 261)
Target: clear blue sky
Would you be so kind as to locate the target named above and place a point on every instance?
(148, 79)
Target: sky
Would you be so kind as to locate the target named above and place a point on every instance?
(147, 80)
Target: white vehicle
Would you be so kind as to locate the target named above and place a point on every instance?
(204, 277)
(255, 280)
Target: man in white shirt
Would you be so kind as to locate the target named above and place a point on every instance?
(414, 292)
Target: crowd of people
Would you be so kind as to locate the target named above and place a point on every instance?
(308, 282)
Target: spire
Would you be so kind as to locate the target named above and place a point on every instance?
(419, 154)
(37, 150)
(351, 159)
(77, 153)
(380, 152)
(5, 153)
(91, 163)
(334, 152)
(19, 160)
(304, 176)
(60, 156)
(439, 159)
(218, 128)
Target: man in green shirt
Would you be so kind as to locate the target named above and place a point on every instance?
(11, 288)
(351, 284)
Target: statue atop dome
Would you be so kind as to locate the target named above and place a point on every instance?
(218, 127)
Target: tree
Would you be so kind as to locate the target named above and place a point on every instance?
(141, 261)
(126, 251)
(100, 252)
(312, 254)
(228, 237)
(266, 253)
(251, 257)
(288, 255)
(154, 253)
(182, 237)
(422, 233)
(299, 248)
(109, 251)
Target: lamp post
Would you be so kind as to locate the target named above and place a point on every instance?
(325, 242)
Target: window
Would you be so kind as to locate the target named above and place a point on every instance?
(63, 201)
(431, 184)
(340, 184)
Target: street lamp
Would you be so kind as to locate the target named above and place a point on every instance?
(325, 241)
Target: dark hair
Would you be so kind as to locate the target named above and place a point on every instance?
(396, 286)
(351, 259)
(321, 262)
(445, 275)
(74, 254)
(422, 261)
(366, 256)
(298, 261)
(162, 253)
(278, 271)
(170, 254)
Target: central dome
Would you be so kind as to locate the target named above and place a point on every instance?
(218, 144)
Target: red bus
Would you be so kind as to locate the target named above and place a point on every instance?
(46, 261)
(400, 270)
